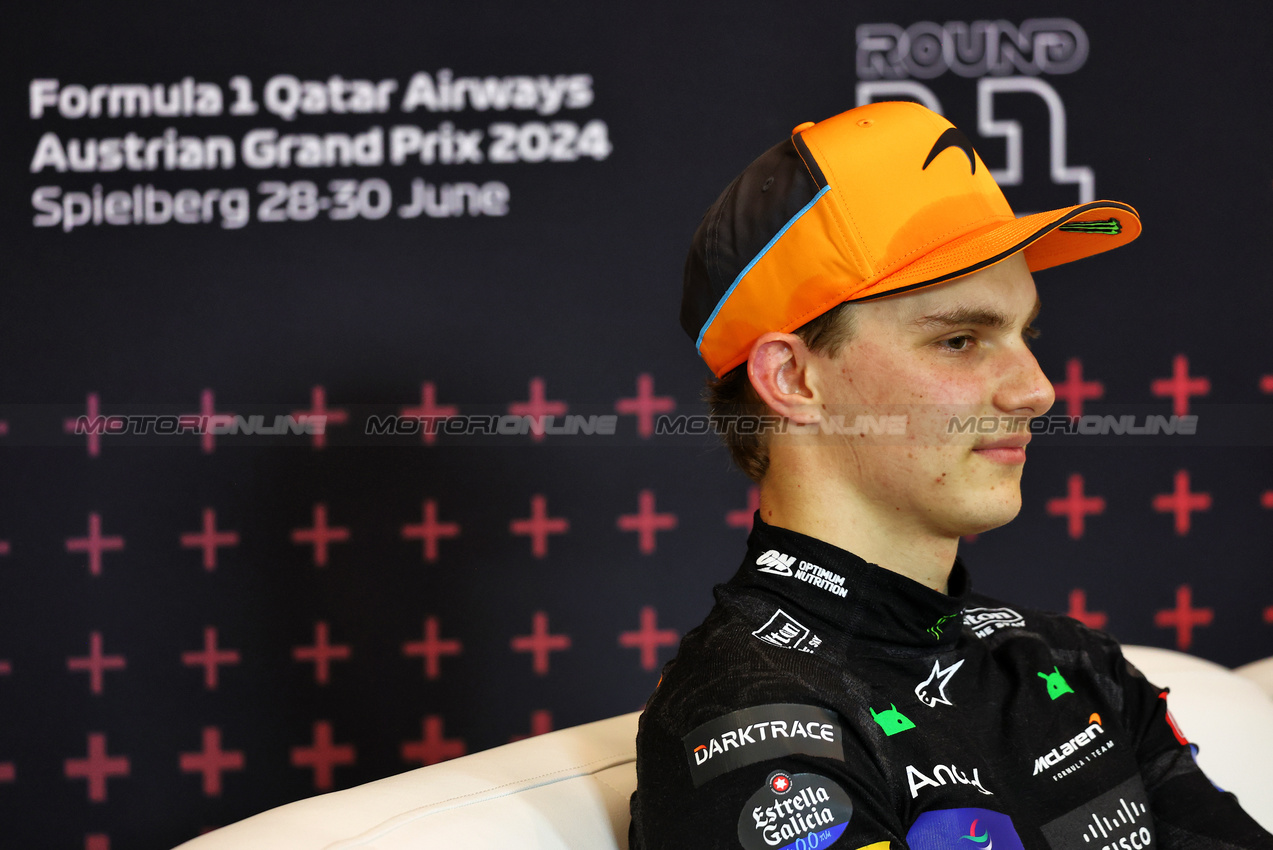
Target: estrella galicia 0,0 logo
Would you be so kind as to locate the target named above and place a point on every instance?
(793, 811)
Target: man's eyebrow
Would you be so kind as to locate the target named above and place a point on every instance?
(973, 317)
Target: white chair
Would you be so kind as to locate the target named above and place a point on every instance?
(1228, 715)
(1260, 672)
(569, 790)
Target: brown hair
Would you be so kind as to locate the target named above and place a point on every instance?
(733, 395)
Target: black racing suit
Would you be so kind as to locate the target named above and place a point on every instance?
(826, 701)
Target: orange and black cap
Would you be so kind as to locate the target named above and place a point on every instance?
(875, 201)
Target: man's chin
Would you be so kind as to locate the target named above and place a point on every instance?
(987, 518)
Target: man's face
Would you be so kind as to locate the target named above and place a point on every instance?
(937, 355)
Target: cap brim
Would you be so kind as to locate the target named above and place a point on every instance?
(1113, 224)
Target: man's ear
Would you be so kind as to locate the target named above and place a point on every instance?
(777, 366)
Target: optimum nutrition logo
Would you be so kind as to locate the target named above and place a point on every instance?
(776, 563)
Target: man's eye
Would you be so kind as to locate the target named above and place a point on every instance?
(958, 343)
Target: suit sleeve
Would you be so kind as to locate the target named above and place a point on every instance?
(1189, 811)
(801, 799)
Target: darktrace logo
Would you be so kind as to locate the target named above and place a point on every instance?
(942, 775)
(764, 732)
(1083, 747)
(786, 632)
(794, 811)
(1119, 819)
(966, 829)
(775, 562)
(987, 621)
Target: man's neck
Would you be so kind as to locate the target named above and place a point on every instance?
(808, 505)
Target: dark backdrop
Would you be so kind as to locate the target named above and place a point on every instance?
(570, 295)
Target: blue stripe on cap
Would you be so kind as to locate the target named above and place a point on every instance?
(698, 344)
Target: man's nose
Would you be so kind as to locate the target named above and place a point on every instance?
(1026, 391)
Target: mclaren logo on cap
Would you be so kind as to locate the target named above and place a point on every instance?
(952, 138)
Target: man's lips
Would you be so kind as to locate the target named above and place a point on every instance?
(1009, 450)
(1017, 441)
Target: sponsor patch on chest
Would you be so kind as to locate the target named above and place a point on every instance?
(763, 732)
(1116, 820)
(794, 811)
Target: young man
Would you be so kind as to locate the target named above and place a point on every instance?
(865, 289)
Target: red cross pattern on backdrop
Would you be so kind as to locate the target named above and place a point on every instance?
(540, 643)
(318, 408)
(209, 420)
(429, 412)
(645, 405)
(1074, 390)
(539, 525)
(440, 646)
(1184, 617)
(429, 531)
(1180, 387)
(433, 745)
(1075, 506)
(320, 535)
(97, 767)
(323, 755)
(1078, 610)
(96, 663)
(1181, 502)
(537, 407)
(649, 638)
(210, 658)
(321, 653)
(211, 761)
(209, 539)
(742, 518)
(541, 723)
(95, 544)
(92, 409)
(646, 522)
(431, 648)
